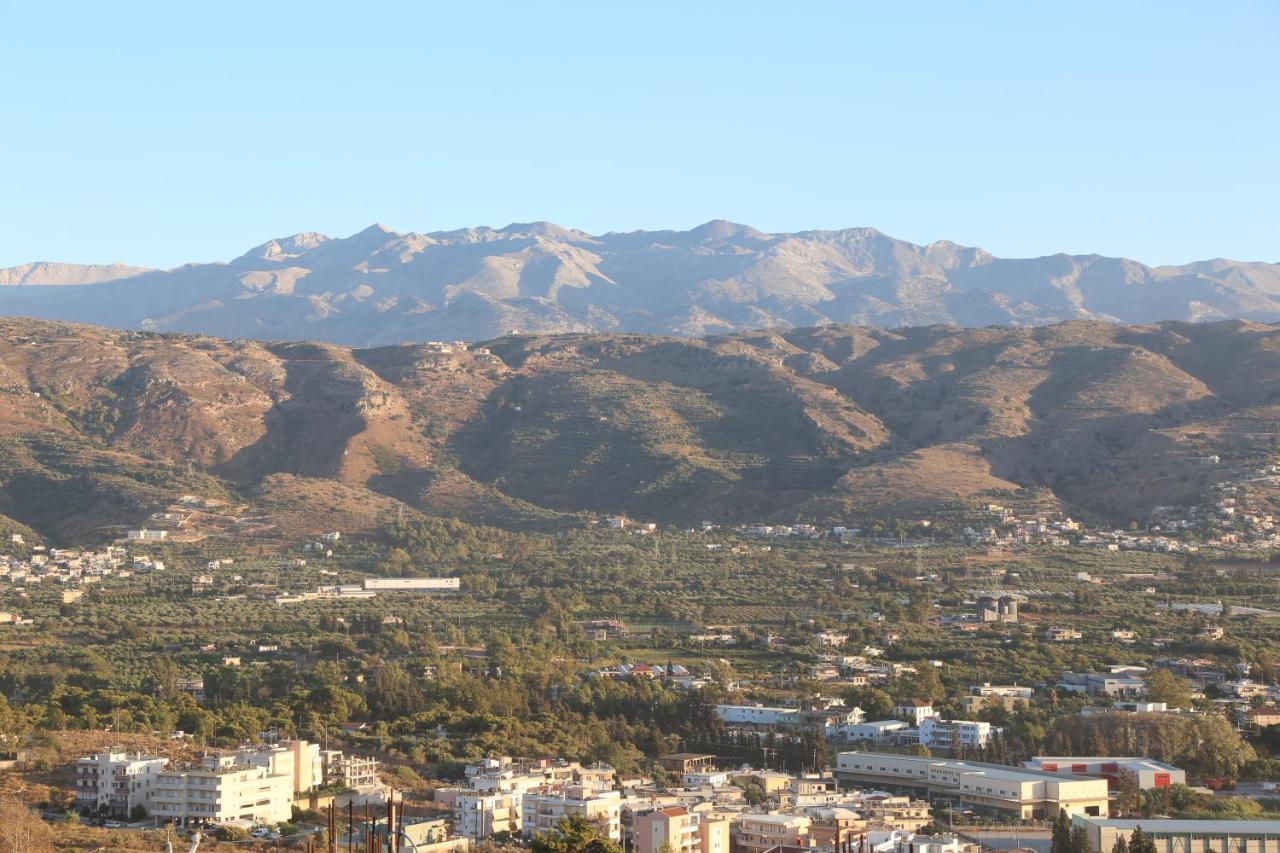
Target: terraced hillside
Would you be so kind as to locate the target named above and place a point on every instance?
(99, 428)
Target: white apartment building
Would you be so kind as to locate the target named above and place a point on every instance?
(222, 788)
(116, 782)
(483, 814)
(937, 733)
(542, 809)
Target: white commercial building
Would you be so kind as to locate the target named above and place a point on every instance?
(992, 788)
(1147, 773)
(1186, 836)
(412, 584)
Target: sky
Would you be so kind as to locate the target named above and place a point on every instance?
(164, 133)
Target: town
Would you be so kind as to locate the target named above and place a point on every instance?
(823, 691)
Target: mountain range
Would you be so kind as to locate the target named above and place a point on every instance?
(832, 424)
(380, 287)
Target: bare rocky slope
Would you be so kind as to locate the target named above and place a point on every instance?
(100, 427)
(379, 287)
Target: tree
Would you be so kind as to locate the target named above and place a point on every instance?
(1061, 838)
(1140, 842)
(1164, 686)
(22, 830)
(575, 833)
(1121, 846)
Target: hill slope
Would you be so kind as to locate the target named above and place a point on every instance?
(101, 427)
(379, 287)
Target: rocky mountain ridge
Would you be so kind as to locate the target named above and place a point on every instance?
(379, 286)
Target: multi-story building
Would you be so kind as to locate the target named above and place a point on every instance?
(679, 830)
(937, 733)
(914, 711)
(887, 811)
(220, 789)
(356, 772)
(116, 782)
(483, 814)
(541, 809)
(1186, 836)
(1118, 681)
(990, 788)
(1148, 773)
(878, 731)
(302, 761)
(1006, 696)
(757, 833)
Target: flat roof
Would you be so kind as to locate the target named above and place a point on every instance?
(1000, 771)
(1198, 827)
(1107, 759)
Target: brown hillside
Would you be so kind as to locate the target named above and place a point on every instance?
(100, 428)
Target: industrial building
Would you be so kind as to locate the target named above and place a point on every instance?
(1186, 836)
(989, 788)
(1148, 773)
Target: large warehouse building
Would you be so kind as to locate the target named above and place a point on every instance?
(989, 788)
(1146, 772)
(1186, 836)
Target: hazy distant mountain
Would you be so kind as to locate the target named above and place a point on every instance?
(379, 286)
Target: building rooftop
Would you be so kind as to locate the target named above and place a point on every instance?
(1199, 827)
(1107, 759)
(995, 771)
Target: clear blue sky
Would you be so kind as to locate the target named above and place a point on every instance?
(158, 133)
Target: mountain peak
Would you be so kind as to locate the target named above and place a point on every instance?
(723, 229)
(376, 229)
(542, 228)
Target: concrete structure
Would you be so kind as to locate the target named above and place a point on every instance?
(413, 584)
(1008, 697)
(879, 731)
(680, 831)
(480, 815)
(989, 788)
(937, 733)
(686, 762)
(1118, 682)
(541, 809)
(220, 789)
(757, 833)
(997, 608)
(116, 782)
(1186, 836)
(359, 773)
(1148, 773)
(759, 716)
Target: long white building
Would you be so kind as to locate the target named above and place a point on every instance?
(1147, 773)
(412, 584)
(1186, 836)
(992, 788)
